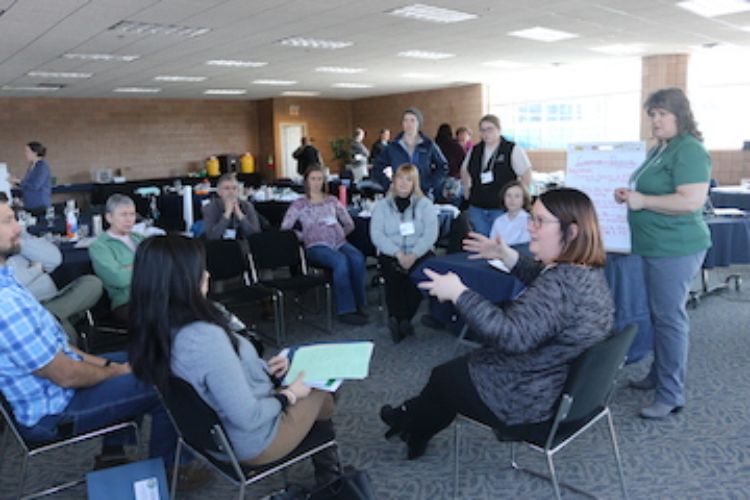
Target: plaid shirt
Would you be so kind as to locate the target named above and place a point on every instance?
(30, 337)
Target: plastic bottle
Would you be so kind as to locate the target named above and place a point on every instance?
(247, 163)
(71, 222)
(212, 166)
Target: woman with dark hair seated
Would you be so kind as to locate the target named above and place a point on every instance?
(530, 343)
(176, 330)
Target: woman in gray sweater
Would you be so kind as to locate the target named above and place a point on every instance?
(404, 228)
(176, 331)
(529, 344)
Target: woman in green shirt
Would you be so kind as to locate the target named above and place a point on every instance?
(665, 200)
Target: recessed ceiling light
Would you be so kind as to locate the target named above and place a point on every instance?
(300, 93)
(503, 64)
(425, 54)
(100, 57)
(339, 69)
(422, 12)
(138, 90)
(352, 85)
(140, 28)
(177, 78)
(418, 75)
(620, 49)
(225, 91)
(235, 63)
(314, 43)
(41, 88)
(543, 34)
(59, 74)
(270, 81)
(713, 8)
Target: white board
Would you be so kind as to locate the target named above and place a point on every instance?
(597, 169)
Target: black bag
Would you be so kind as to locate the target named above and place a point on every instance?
(353, 484)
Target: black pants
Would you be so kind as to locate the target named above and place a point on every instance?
(402, 297)
(449, 392)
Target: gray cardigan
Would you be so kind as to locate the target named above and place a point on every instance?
(237, 388)
(530, 343)
(385, 226)
(214, 222)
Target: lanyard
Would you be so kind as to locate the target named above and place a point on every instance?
(493, 158)
(653, 159)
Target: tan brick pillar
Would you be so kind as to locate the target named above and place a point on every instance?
(658, 72)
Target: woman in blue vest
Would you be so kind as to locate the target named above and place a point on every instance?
(413, 147)
(37, 183)
(489, 166)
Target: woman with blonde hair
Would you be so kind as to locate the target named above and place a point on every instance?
(404, 228)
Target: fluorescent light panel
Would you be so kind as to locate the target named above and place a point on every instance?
(45, 88)
(339, 69)
(620, 49)
(345, 85)
(418, 76)
(225, 91)
(314, 43)
(300, 93)
(138, 90)
(541, 34)
(139, 28)
(503, 64)
(714, 8)
(236, 64)
(177, 78)
(269, 81)
(100, 57)
(58, 74)
(422, 12)
(425, 54)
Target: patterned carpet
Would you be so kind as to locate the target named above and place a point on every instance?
(700, 453)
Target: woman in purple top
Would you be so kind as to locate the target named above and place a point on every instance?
(324, 226)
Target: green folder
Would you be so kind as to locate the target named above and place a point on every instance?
(330, 360)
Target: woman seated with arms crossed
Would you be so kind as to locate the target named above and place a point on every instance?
(325, 224)
(512, 226)
(404, 228)
(176, 330)
(530, 343)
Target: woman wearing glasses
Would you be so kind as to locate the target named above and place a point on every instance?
(489, 166)
(665, 201)
(530, 343)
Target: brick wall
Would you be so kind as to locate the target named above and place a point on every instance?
(142, 137)
(458, 106)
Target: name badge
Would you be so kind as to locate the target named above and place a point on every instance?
(487, 177)
(330, 220)
(406, 228)
(230, 234)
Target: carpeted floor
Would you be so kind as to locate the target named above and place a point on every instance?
(700, 453)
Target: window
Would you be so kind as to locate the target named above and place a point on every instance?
(586, 103)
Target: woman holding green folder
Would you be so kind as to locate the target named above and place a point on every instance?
(176, 331)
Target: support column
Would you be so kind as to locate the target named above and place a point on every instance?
(659, 72)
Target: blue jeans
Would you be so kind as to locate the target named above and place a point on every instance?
(113, 400)
(668, 281)
(348, 267)
(481, 219)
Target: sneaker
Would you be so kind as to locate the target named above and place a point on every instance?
(191, 477)
(107, 461)
(362, 312)
(431, 322)
(657, 410)
(352, 319)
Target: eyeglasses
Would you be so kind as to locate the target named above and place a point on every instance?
(486, 130)
(538, 222)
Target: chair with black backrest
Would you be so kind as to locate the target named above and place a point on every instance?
(200, 431)
(281, 250)
(583, 402)
(227, 263)
(32, 449)
(99, 331)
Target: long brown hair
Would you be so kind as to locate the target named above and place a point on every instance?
(571, 206)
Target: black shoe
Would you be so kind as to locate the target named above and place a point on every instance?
(395, 419)
(361, 311)
(393, 327)
(431, 322)
(416, 446)
(352, 319)
(406, 328)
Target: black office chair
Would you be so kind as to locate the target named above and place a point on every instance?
(230, 285)
(32, 449)
(281, 249)
(583, 402)
(99, 331)
(200, 431)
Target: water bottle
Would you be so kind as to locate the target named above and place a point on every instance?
(71, 221)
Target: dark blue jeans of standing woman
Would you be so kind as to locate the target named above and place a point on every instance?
(113, 400)
(348, 267)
